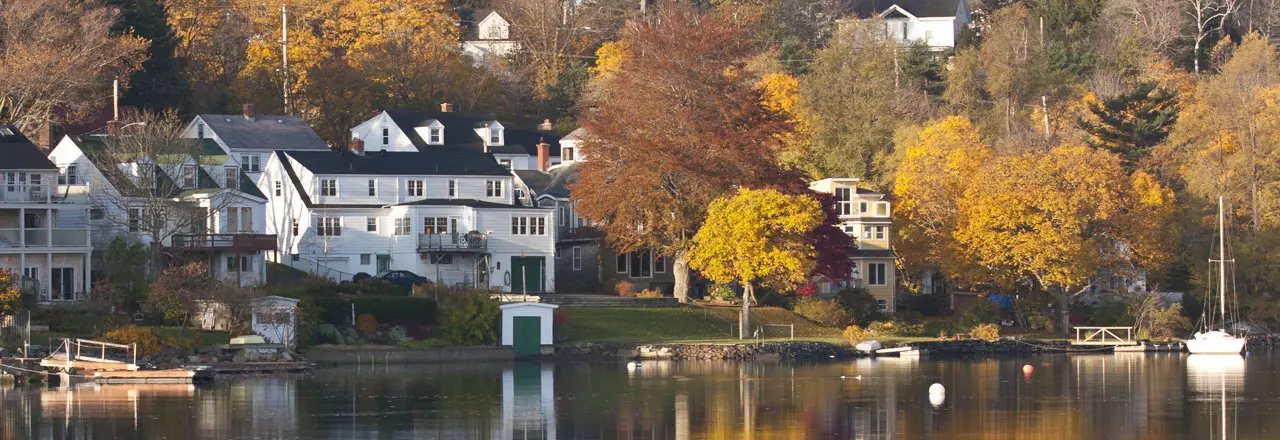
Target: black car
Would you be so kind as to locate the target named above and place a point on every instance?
(401, 278)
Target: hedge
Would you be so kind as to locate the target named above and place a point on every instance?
(336, 310)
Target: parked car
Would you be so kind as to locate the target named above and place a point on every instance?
(401, 278)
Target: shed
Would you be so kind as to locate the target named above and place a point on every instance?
(274, 317)
(527, 326)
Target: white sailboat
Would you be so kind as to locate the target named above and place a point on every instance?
(1219, 341)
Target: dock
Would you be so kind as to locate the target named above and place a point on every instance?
(905, 351)
(261, 368)
(175, 376)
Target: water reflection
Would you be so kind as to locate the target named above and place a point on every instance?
(1128, 396)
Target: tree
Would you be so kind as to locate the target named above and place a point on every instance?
(1016, 67)
(757, 237)
(179, 291)
(10, 294)
(1055, 219)
(1132, 124)
(1068, 27)
(160, 83)
(57, 59)
(552, 33)
(1209, 17)
(125, 267)
(673, 128)
(832, 246)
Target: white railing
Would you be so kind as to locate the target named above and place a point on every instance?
(36, 237)
(25, 193)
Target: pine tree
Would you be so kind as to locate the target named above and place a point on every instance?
(1131, 124)
(159, 84)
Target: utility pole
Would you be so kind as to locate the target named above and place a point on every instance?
(284, 52)
(1044, 103)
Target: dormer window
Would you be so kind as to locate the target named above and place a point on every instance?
(436, 136)
(200, 130)
(495, 135)
(188, 176)
(386, 136)
(566, 154)
(432, 133)
(232, 177)
(844, 198)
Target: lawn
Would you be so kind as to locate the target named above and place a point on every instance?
(203, 338)
(686, 324)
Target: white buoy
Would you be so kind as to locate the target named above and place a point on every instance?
(937, 388)
(937, 394)
(633, 365)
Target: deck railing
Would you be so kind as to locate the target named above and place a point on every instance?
(40, 237)
(471, 242)
(1104, 336)
(226, 242)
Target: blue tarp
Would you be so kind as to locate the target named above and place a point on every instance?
(1005, 301)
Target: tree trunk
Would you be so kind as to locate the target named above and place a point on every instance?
(680, 270)
(744, 325)
(1064, 313)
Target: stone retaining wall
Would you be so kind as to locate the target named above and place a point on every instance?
(1000, 346)
(388, 355)
(764, 351)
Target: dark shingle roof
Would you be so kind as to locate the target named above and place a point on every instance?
(554, 182)
(918, 8)
(873, 253)
(94, 148)
(382, 163)
(459, 132)
(19, 153)
(264, 132)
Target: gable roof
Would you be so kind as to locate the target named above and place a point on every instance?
(554, 182)
(264, 132)
(389, 163)
(20, 153)
(94, 149)
(918, 8)
(459, 132)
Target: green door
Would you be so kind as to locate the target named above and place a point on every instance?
(526, 335)
(526, 274)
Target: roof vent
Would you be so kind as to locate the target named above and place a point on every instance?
(280, 121)
(228, 119)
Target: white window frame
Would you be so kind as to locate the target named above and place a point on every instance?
(495, 134)
(366, 259)
(659, 263)
(560, 213)
(844, 200)
(577, 257)
(880, 232)
(329, 188)
(415, 188)
(232, 177)
(403, 226)
(373, 187)
(881, 209)
(371, 224)
(69, 175)
(566, 154)
(525, 226)
(386, 136)
(250, 163)
(329, 227)
(866, 232)
(435, 135)
(279, 188)
(437, 225)
(453, 188)
(246, 219)
(872, 279)
(189, 177)
(882, 304)
(493, 188)
(862, 208)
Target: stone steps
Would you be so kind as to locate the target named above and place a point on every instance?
(608, 301)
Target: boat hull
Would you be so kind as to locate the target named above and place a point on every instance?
(1215, 343)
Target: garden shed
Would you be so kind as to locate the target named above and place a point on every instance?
(527, 326)
(275, 318)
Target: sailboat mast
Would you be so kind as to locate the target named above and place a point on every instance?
(1222, 266)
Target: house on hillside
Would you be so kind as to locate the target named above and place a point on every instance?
(936, 23)
(448, 214)
(201, 200)
(417, 130)
(489, 38)
(44, 238)
(864, 216)
(251, 138)
(577, 251)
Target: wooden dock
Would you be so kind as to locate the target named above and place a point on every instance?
(1104, 337)
(261, 367)
(179, 376)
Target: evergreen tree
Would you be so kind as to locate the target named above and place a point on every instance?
(1131, 124)
(160, 84)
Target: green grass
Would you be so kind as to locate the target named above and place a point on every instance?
(204, 338)
(685, 324)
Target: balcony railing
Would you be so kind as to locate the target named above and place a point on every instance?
(26, 193)
(36, 237)
(469, 242)
(224, 242)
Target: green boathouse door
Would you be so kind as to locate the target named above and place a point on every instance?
(526, 335)
(526, 274)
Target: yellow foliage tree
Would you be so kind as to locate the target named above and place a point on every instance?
(609, 57)
(757, 237)
(10, 295)
(780, 94)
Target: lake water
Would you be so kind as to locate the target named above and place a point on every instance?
(1128, 396)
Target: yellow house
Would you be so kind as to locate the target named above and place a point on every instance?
(864, 216)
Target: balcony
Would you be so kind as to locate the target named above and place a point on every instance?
(42, 238)
(465, 243)
(223, 242)
(26, 193)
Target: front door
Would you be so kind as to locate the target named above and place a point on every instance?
(526, 335)
(384, 263)
(64, 283)
(526, 274)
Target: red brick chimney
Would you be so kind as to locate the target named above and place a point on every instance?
(446, 107)
(544, 155)
(546, 125)
(113, 128)
(357, 146)
(247, 108)
(46, 135)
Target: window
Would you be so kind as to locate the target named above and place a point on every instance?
(68, 175)
(519, 193)
(435, 135)
(279, 188)
(577, 258)
(641, 263)
(844, 200)
(371, 225)
(329, 227)
(386, 136)
(250, 163)
(862, 207)
(200, 131)
(366, 259)
(233, 264)
(453, 188)
(329, 187)
(493, 188)
(528, 225)
(928, 37)
(560, 215)
(135, 219)
(246, 219)
(63, 283)
(876, 274)
(506, 163)
(495, 134)
(232, 220)
(435, 225)
(295, 227)
(851, 230)
(866, 232)
(660, 264)
(566, 154)
(97, 214)
(373, 187)
(402, 226)
(882, 209)
(879, 232)
(232, 177)
(882, 304)
(188, 176)
(415, 188)
(621, 263)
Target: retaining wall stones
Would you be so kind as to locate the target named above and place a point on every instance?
(389, 355)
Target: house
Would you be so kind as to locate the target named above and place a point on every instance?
(577, 246)
(864, 216)
(251, 138)
(416, 130)
(448, 214)
(490, 38)
(191, 199)
(936, 23)
(44, 238)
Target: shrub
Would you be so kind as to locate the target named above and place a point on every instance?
(807, 290)
(397, 334)
(1167, 322)
(941, 329)
(773, 299)
(470, 318)
(1039, 322)
(326, 334)
(81, 320)
(985, 331)
(983, 312)
(399, 310)
(370, 286)
(649, 293)
(148, 343)
(367, 324)
(855, 334)
(926, 305)
(624, 288)
(723, 292)
(825, 312)
(895, 328)
(858, 304)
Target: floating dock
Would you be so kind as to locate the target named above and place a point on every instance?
(179, 376)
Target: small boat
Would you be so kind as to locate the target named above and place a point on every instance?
(1208, 340)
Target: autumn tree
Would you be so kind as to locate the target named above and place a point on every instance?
(57, 60)
(674, 127)
(552, 33)
(10, 293)
(1015, 64)
(757, 238)
(179, 291)
(1132, 124)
